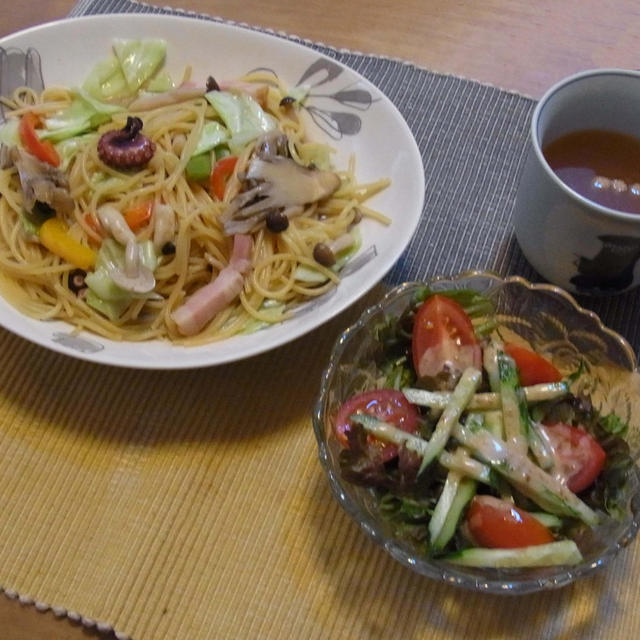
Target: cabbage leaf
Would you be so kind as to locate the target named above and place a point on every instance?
(243, 116)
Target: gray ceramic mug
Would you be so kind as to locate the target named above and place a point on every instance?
(569, 240)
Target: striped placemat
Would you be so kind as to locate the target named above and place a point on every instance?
(171, 505)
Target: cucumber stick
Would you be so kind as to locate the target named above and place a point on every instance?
(443, 527)
(515, 426)
(486, 401)
(524, 474)
(464, 391)
(463, 463)
(443, 506)
(390, 433)
(493, 422)
(563, 552)
(547, 519)
(490, 362)
(518, 426)
(519, 470)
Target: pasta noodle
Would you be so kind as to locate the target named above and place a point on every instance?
(36, 280)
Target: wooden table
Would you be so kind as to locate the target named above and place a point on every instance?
(512, 44)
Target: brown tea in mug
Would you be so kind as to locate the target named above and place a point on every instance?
(603, 166)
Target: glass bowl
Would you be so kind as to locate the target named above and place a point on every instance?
(552, 322)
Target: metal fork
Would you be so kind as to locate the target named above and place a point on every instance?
(19, 68)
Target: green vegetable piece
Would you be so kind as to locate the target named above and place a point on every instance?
(466, 490)
(112, 309)
(222, 151)
(106, 80)
(464, 464)
(243, 117)
(438, 400)
(614, 424)
(160, 83)
(547, 519)
(132, 66)
(317, 154)
(213, 135)
(9, 132)
(99, 281)
(466, 387)
(563, 552)
(524, 474)
(139, 60)
(515, 426)
(456, 493)
(30, 224)
(309, 275)
(198, 167)
(85, 113)
(390, 433)
(519, 429)
(104, 288)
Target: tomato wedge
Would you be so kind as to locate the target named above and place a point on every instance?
(220, 175)
(41, 149)
(579, 456)
(389, 405)
(532, 367)
(498, 524)
(443, 337)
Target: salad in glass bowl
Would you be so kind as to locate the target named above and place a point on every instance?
(485, 431)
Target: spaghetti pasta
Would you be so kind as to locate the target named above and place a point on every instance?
(190, 244)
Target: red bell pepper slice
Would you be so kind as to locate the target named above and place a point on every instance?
(220, 174)
(41, 149)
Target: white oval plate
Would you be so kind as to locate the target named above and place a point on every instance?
(367, 125)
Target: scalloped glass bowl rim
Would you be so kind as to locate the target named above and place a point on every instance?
(441, 571)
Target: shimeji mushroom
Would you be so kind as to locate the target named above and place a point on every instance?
(135, 277)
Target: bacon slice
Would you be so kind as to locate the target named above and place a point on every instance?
(241, 254)
(206, 302)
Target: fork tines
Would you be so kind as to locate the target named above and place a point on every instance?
(18, 69)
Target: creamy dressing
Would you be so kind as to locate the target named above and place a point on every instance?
(569, 457)
(543, 488)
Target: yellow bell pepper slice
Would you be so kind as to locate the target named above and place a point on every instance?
(55, 236)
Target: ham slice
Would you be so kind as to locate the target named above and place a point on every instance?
(174, 96)
(206, 302)
(241, 254)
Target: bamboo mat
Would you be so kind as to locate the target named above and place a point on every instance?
(191, 505)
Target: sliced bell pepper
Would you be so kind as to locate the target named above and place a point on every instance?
(41, 149)
(138, 215)
(92, 221)
(220, 174)
(55, 236)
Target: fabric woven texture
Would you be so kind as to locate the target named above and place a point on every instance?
(191, 504)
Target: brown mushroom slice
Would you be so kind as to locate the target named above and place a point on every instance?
(325, 253)
(41, 183)
(282, 184)
(248, 224)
